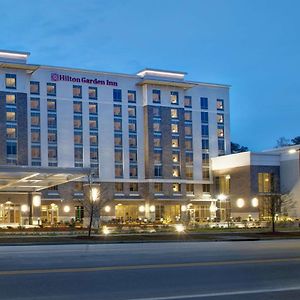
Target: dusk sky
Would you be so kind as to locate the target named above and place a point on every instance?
(252, 45)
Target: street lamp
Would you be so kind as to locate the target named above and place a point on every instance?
(254, 202)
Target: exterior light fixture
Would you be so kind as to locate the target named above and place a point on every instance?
(24, 208)
(292, 151)
(213, 208)
(183, 208)
(240, 202)
(141, 208)
(179, 228)
(94, 193)
(254, 202)
(105, 230)
(222, 197)
(152, 208)
(36, 200)
(67, 208)
(107, 208)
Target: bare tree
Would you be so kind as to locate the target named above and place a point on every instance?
(95, 198)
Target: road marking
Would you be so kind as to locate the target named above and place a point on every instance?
(221, 294)
(149, 266)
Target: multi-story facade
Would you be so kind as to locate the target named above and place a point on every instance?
(148, 139)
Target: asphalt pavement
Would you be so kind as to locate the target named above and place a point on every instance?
(152, 271)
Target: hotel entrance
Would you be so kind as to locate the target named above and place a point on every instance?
(9, 213)
(127, 213)
(49, 214)
(167, 213)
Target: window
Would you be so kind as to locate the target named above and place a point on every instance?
(132, 125)
(174, 113)
(131, 96)
(93, 122)
(94, 154)
(204, 117)
(158, 187)
(205, 173)
(117, 110)
(220, 118)
(133, 187)
(205, 159)
(220, 104)
(157, 156)
(175, 157)
(188, 130)
(221, 145)
(157, 171)
(156, 126)
(51, 120)
(118, 125)
(52, 153)
(117, 95)
(93, 108)
(93, 139)
(157, 141)
(118, 171)
(265, 182)
(205, 144)
(35, 136)
(118, 140)
(10, 116)
(204, 103)
(34, 103)
(220, 131)
(156, 96)
(10, 81)
(77, 107)
(52, 137)
(133, 171)
(78, 138)
(93, 93)
(188, 116)
(156, 112)
(131, 111)
(190, 188)
(174, 128)
(11, 148)
(133, 156)
(77, 122)
(35, 119)
(34, 87)
(11, 133)
(77, 91)
(176, 171)
(188, 101)
(118, 156)
(35, 152)
(176, 187)
(132, 141)
(175, 142)
(119, 187)
(204, 130)
(188, 144)
(189, 172)
(51, 105)
(206, 188)
(78, 153)
(174, 97)
(51, 89)
(10, 99)
(189, 157)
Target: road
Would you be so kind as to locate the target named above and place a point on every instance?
(152, 271)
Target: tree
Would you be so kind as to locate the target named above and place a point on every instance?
(236, 148)
(282, 142)
(296, 140)
(96, 197)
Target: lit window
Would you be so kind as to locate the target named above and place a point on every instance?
(93, 122)
(131, 111)
(133, 171)
(132, 141)
(92, 93)
(78, 122)
(117, 95)
(132, 126)
(93, 139)
(93, 108)
(220, 131)
(51, 105)
(118, 140)
(34, 87)
(51, 120)
(131, 96)
(157, 157)
(34, 103)
(10, 81)
(35, 152)
(52, 137)
(35, 136)
(117, 125)
(158, 187)
(174, 128)
(133, 156)
(118, 156)
(175, 142)
(220, 104)
(10, 99)
(52, 153)
(188, 130)
(35, 119)
(188, 116)
(174, 113)
(11, 132)
(119, 187)
(10, 116)
(133, 187)
(175, 157)
(51, 89)
(77, 137)
(220, 118)
(156, 126)
(77, 107)
(118, 171)
(176, 187)
(117, 110)
(189, 172)
(77, 91)
(176, 171)
(205, 173)
(188, 101)
(174, 97)
(156, 96)
(157, 141)
(204, 103)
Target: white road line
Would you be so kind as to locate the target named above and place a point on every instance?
(234, 293)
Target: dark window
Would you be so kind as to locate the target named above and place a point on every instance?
(204, 130)
(204, 117)
(205, 144)
(117, 95)
(204, 103)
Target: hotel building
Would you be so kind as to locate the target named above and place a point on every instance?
(147, 138)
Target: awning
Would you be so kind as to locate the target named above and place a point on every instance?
(33, 179)
(25, 67)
